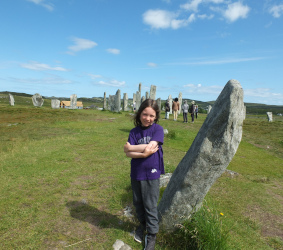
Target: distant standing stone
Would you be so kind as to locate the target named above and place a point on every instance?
(11, 100)
(37, 100)
(180, 100)
(73, 101)
(212, 150)
(152, 93)
(209, 109)
(55, 103)
(104, 102)
(269, 116)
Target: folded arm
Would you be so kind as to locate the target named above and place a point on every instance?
(141, 150)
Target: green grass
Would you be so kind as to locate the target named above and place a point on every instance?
(65, 180)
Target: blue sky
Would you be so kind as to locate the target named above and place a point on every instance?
(88, 47)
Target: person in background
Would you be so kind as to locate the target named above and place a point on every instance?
(196, 112)
(192, 111)
(175, 108)
(185, 109)
(144, 146)
(167, 109)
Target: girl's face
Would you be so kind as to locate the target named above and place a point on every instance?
(147, 117)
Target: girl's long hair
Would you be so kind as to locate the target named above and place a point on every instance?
(145, 104)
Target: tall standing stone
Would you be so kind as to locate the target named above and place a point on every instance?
(125, 102)
(55, 103)
(37, 100)
(159, 103)
(111, 103)
(104, 102)
(170, 103)
(140, 85)
(152, 93)
(73, 101)
(180, 99)
(117, 101)
(212, 150)
(138, 100)
(269, 116)
(146, 95)
(143, 99)
(11, 100)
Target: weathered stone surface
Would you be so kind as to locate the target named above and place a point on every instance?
(11, 100)
(159, 103)
(138, 100)
(180, 100)
(117, 107)
(152, 93)
(134, 97)
(73, 101)
(125, 102)
(104, 102)
(212, 150)
(143, 99)
(146, 95)
(209, 109)
(120, 245)
(140, 85)
(55, 103)
(37, 100)
(269, 116)
(164, 179)
(111, 102)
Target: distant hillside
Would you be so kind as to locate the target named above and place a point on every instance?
(25, 99)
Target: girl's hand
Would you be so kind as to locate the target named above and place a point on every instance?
(127, 147)
(149, 150)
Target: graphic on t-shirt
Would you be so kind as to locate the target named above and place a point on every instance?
(153, 171)
(144, 140)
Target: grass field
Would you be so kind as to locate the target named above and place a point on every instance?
(65, 180)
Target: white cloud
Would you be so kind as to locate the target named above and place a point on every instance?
(113, 51)
(162, 19)
(152, 65)
(276, 10)
(53, 79)
(48, 6)
(40, 66)
(204, 16)
(235, 11)
(112, 83)
(192, 6)
(218, 61)
(199, 89)
(80, 44)
(93, 77)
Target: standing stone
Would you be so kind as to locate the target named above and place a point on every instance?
(209, 109)
(170, 103)
(140, 87)
(138, 100)
(134, 97)
(111, 103)
(269, 116)
(11, 100)
(146, 95)
(125, 102)
(245, 112)
(104, 102)
(152, 93)
(55, 103)
(143, 99)
(159, 103)
(117, 101)
(180, 99)
(73, 101)
(37, 100)
(212, 150)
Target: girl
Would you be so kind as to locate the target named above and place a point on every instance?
(144, 147)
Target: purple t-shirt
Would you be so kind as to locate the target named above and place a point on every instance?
(151, 167)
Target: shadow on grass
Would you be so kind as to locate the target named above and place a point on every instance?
(81, 211)
(125, 130)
